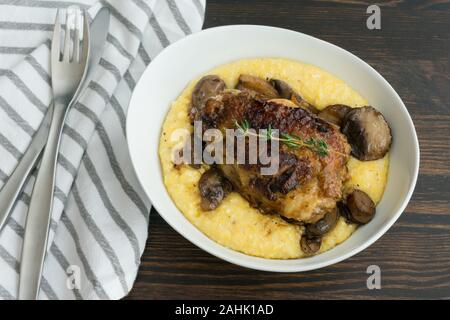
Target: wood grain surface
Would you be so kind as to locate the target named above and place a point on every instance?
(412, 51)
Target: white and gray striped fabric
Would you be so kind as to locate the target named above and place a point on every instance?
(100, 214)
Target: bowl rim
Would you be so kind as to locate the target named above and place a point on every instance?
(243, 262)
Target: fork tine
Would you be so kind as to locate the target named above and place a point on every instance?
(56, 46)
(85, 46)
(76, 48)
(67, 40)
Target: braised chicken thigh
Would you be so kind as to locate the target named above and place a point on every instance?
(307, 183)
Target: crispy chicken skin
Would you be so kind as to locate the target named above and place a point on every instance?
(306, 185)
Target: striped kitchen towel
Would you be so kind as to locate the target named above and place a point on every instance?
(100, 214)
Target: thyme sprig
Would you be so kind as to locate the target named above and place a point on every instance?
(292, 141)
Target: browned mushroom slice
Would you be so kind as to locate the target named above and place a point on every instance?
(324, 225)
(257, 86)
(367, 132)
(360, 207)
(302, 103)
(285, 91)
(310, 245)
(334, 113)
(213, 189)
(206, 87)
(343, 210)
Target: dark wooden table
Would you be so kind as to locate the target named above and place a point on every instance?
(412, 51)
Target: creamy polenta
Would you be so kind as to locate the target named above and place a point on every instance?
(235, 224)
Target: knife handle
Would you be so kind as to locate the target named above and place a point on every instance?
(40, 211)
(12, 188)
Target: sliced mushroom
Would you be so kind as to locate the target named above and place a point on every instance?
(206, 87)
(324, 225)
(213, 189)
(302, 103)
(334, 113)
(360, 208)
(310, 245)
(257, 86)
(343, 210)
(367, 132)
(285, 91)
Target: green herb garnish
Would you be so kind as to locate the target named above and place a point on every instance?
(292, 141)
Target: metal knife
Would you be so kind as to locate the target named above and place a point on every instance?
(14, 185)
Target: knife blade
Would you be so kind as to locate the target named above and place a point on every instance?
(14, 185)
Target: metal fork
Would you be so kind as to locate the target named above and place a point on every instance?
(68, 72)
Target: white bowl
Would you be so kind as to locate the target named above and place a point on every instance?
(170, 72)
